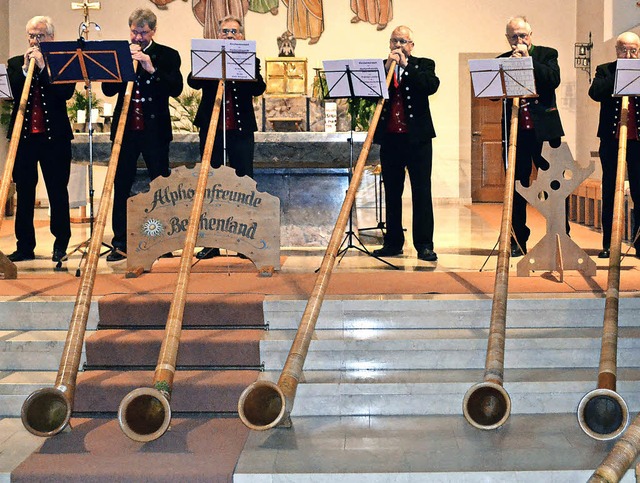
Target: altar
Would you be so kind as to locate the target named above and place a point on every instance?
(307, 171)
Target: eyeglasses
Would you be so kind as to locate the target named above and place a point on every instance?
(229, 31)
(626, 51)
(141, 33)
(37, 37)
(519, 36)
(400, 41)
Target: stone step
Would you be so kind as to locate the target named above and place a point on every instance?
(448, 311)
(447, 349)
(34, 350)
(42, 313)
(434, 392)
(16, 386)
(436, 449)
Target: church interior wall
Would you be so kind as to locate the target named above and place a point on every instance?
(449, 32)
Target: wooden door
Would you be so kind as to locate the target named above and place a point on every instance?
(487, 165)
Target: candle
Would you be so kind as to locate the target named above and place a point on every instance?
(94, 115)
(82, 117)
(107, 110)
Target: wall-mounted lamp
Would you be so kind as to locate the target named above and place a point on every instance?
(582, 56)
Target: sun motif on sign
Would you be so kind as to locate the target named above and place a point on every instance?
(152, 227)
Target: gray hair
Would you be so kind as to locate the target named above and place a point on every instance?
(38, 19)
(518, 19)
(143, 16)
(231, 18)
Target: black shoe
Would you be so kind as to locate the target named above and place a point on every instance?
(208, 252)
(604, 253)
(58, 255)
(387, 251)
(19, 256)
(166, 255)
(427, 255)
(516, 251)
(116, 256)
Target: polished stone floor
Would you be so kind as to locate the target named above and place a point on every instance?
(465, 236)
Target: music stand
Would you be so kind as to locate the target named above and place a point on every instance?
(503, 78)
(350, 79)
(627, 83)
(221, 59)
(88, 61)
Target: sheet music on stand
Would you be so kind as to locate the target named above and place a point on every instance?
(95, 60)
(627, 81)
(223, 59)
(5, 86)
(503, 77)
(355, 78)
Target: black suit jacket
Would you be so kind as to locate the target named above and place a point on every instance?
(418, 82)
(155, 89)
(544, 110)
(53, 96)
(601, 90)
(242, 92)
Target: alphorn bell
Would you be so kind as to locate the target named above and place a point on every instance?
(263, 404)
(145, 413)
(15, 140)
(487, 405)
(47, 411)
(602, 413)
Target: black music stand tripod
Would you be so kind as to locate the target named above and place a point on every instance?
(85, 61)
(340, 90)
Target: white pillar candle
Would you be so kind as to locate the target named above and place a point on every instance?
(82, 117)
(94, 115)
(107, 110)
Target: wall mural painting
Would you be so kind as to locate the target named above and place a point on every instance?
(376, 12)
(305, 19)
(209, 12)
(264, 6)
(162, 4)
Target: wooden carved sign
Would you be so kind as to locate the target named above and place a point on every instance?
(235, 216)
(555, 251)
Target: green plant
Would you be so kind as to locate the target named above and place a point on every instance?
(80, 102)
(360, 111)
(5, 113)
(184, 109)
(319, 88)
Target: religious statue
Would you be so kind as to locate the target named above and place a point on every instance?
(286, 45)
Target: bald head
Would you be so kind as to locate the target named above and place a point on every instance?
(627, 45)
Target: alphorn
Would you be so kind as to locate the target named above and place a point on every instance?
(603, 413)
(263, 404)
(15, 141)
(487, 405)
(47, 411)
(145, 413)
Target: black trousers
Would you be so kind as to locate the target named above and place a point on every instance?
(397, 154)
(609, 160)
(156, 158)
(55, 162)
(528, 154)
(240, 149)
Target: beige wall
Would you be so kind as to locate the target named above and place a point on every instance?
(447, 31)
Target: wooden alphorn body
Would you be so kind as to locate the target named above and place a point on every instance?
(487, 405)
(145, 413)
(47, 411)
(11, 155)
(602, 413)
(263, 404)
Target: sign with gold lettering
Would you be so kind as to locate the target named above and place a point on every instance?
(235, 216)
